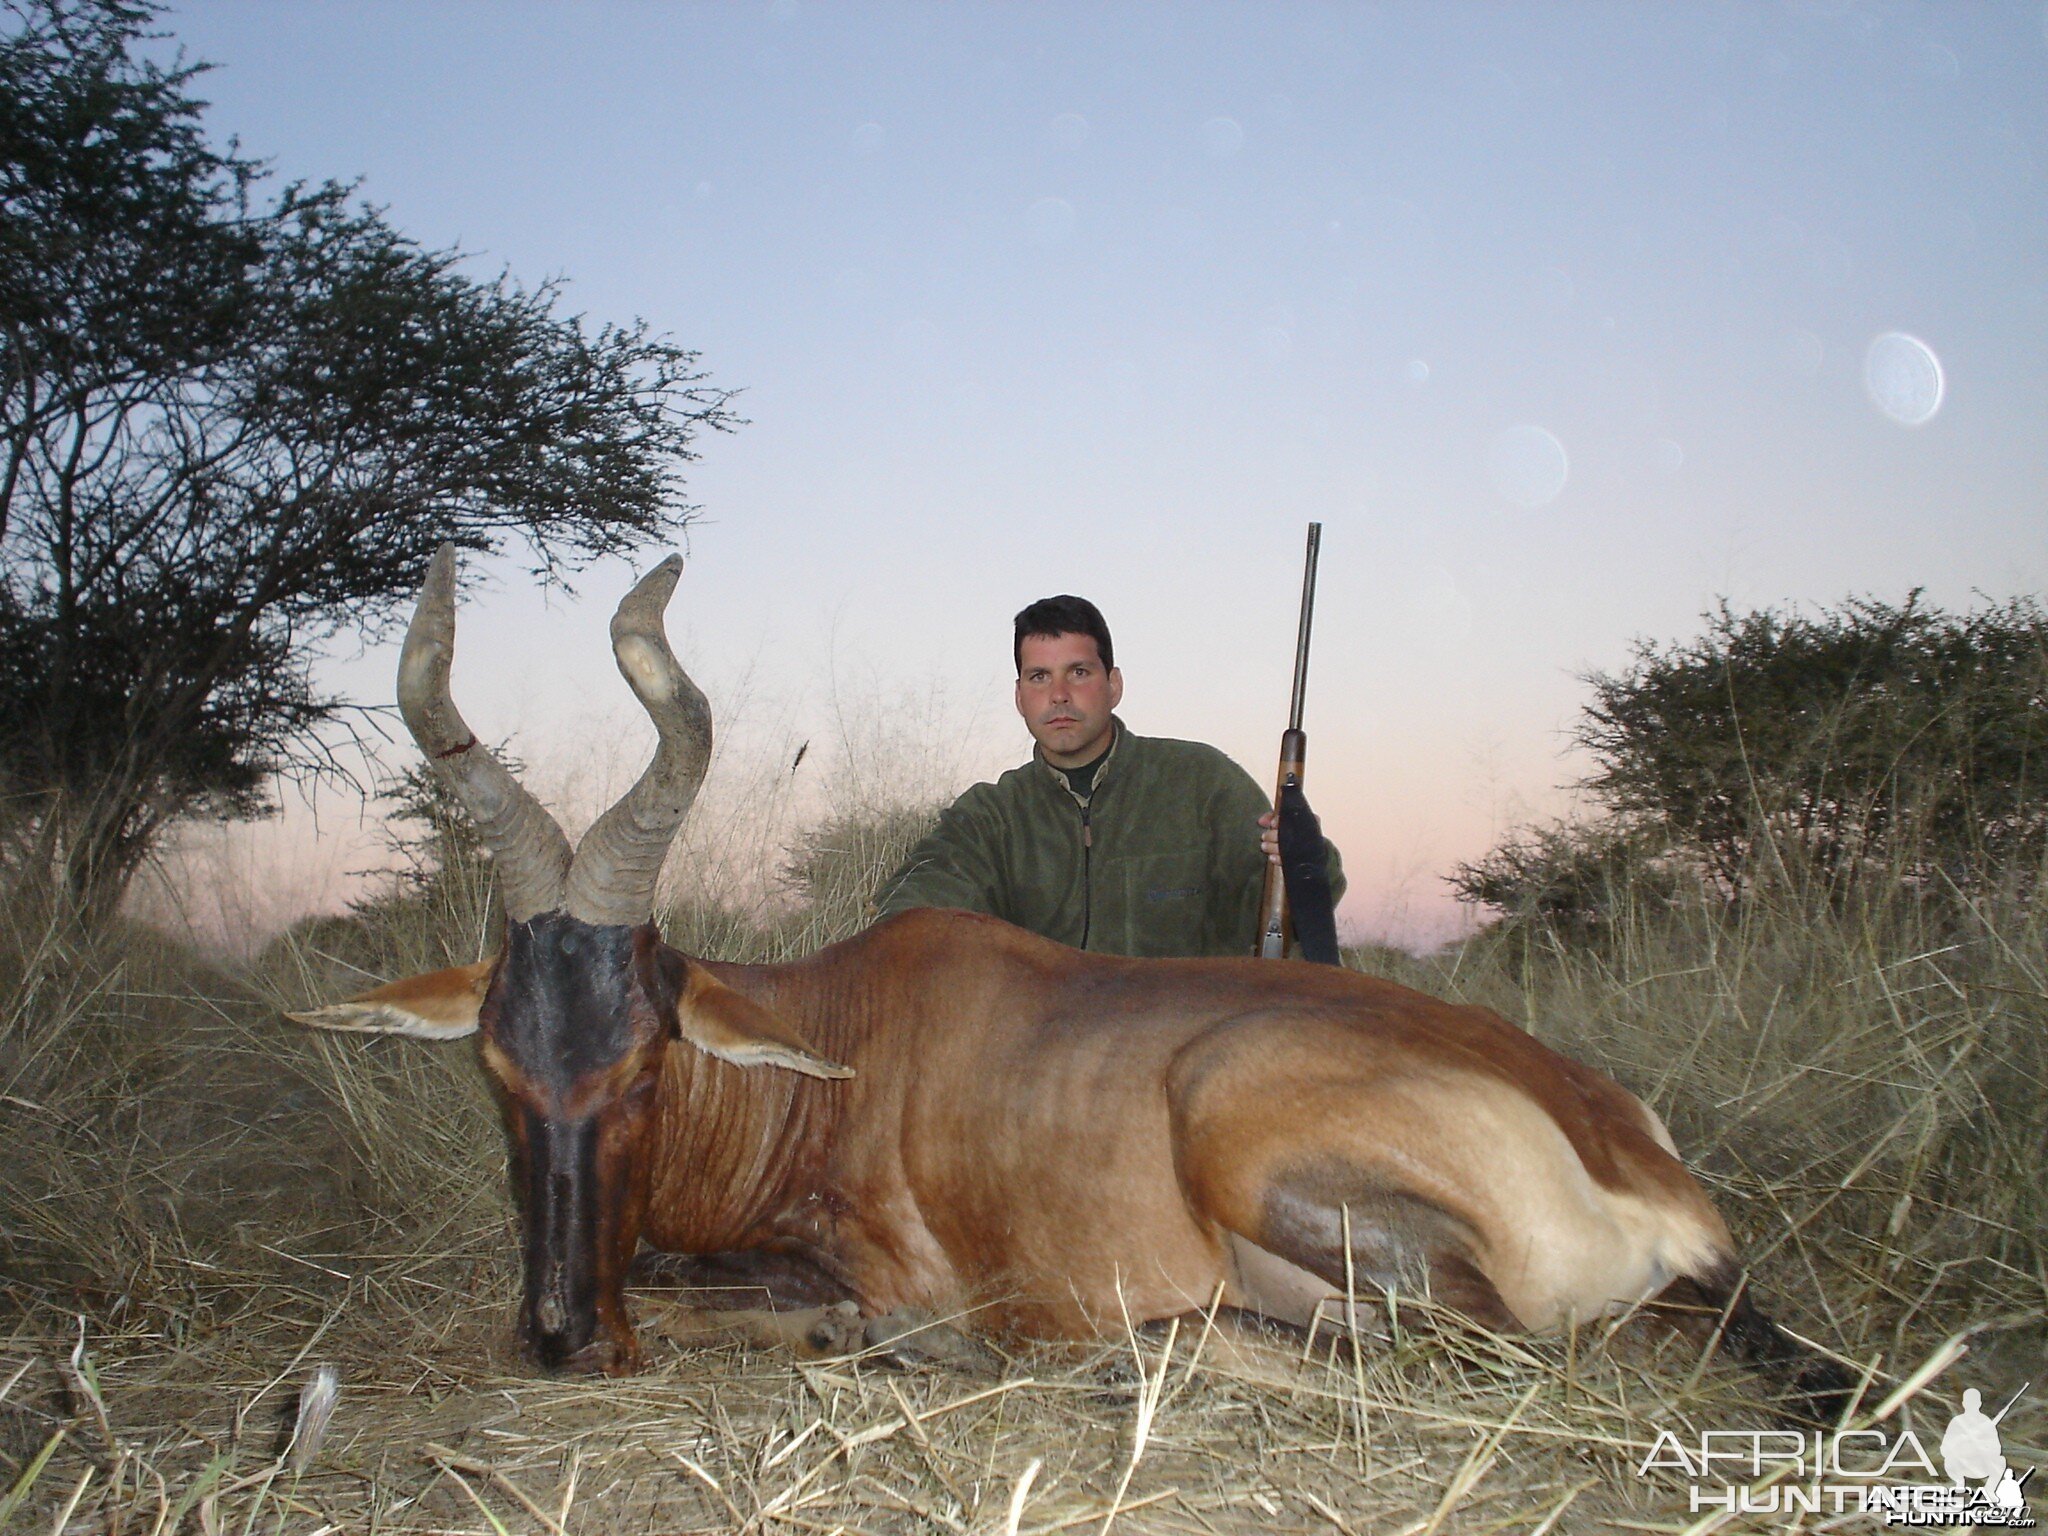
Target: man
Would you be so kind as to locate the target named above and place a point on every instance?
(1105, 840)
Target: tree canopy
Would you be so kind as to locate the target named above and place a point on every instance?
(1872, 741)
(236, 427)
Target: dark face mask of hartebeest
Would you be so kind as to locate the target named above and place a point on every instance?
(577, 1014)
(574, 1034)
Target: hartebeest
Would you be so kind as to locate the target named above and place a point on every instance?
(948, 1115)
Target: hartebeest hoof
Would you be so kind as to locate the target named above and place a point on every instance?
(837, 1330)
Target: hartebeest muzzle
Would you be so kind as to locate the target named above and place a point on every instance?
(559, 1191)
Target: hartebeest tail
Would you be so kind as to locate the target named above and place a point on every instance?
(1820, 1391)
(948, 1114)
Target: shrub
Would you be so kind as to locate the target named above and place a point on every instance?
(1861, 751)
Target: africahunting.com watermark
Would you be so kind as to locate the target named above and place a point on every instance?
(1888, 1474)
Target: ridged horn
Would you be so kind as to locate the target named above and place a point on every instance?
(612, 878)
(528, 851)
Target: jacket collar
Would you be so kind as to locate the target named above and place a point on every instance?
(1118, 732)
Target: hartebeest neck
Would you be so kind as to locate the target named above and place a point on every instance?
(736, 1147)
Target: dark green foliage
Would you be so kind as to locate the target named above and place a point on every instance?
(235, 430)
(441, 872)
(1571, 880)
(836, 865)
(1862, 749)
(1865, 738)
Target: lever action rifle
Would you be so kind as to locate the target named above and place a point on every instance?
(1295, 900)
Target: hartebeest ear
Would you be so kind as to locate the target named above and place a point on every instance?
(441, 1005)
(722, 1023)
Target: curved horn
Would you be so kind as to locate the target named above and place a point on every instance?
(528, 850)
(612, 879)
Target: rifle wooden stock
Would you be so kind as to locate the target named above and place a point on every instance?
(1276, 933)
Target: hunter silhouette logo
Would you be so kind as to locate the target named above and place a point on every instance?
(1970, 1449)
(1856, 1471)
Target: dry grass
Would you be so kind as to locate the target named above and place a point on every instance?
(199, 1206)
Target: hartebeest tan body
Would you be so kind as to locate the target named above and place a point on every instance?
(1059, 1137)
(1055, 1140)
(949, 1116)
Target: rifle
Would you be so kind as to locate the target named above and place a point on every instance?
(1300, 888)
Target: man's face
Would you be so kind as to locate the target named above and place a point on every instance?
(1065, 695)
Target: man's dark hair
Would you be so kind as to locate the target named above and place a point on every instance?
(1063, 615)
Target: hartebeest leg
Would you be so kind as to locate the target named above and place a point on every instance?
(757, 1279)
(1295, 1260)
(772, 1298)
(1333, 1193)
(1290, 1136)
(908, 1339)
(784, 1297)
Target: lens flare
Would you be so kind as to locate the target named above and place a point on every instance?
(1528, 466)
(1904, 378)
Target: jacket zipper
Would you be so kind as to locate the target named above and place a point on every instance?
(1087, 879)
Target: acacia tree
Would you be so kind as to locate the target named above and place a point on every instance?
(235, 428)
(1895, 740)
(1873, 742)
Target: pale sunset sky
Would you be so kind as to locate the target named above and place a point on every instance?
(1564, 319)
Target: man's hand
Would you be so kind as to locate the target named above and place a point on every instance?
(1269, 836)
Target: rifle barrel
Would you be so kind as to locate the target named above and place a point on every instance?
(1308, 609)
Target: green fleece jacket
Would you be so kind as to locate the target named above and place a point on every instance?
(1163, 859)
